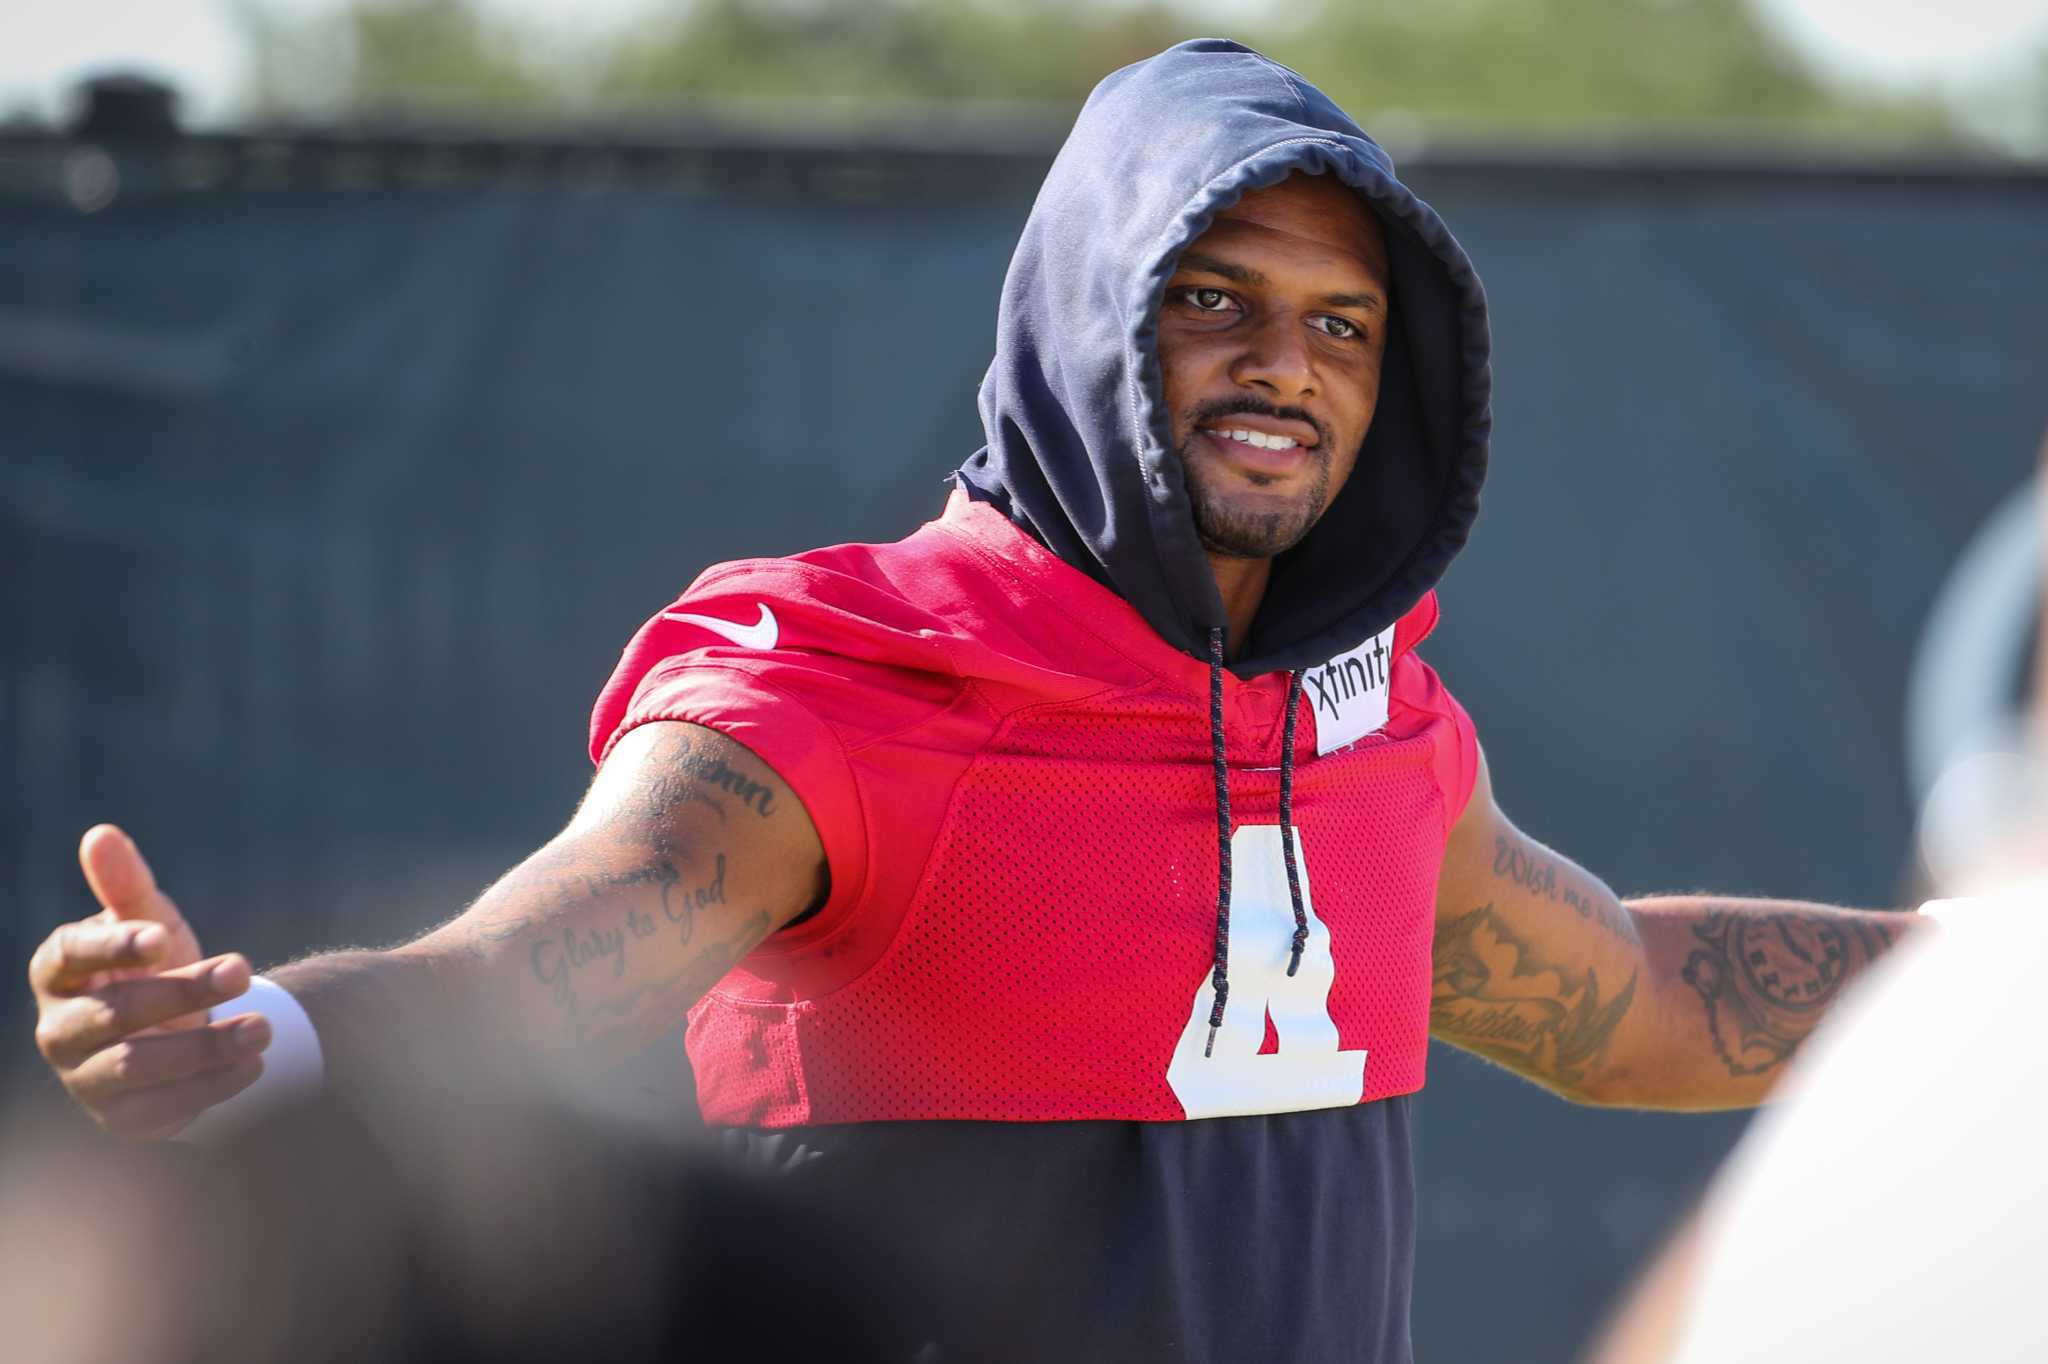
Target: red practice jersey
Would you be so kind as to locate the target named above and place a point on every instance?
(1012, 777)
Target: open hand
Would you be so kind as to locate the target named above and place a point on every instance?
(122, 1000)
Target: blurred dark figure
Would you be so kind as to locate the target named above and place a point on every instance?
(436, 1218)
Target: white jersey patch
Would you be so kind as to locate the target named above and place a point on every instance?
(1230, 1077)
(1349, 693)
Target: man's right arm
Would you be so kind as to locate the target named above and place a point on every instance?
(686, 852)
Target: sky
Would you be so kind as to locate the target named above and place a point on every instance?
(46, 45)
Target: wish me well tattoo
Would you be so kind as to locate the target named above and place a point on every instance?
(1524, 867)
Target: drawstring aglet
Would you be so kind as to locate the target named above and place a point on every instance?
(1294, 962)
(1211, 1046)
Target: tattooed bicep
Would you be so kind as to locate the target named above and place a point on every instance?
(682, 791)
(665, 772)
(687, 851)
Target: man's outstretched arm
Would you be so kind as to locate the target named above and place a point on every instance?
(1668, 1002)
(685, 853)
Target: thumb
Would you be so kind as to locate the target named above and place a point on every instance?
(123, 884)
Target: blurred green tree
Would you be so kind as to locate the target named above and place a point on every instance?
(1574, 65)
(381, 56)
(1493, 68)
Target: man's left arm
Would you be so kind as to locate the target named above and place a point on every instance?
(1688, 1001)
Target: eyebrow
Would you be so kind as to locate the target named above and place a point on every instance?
(1239, 274)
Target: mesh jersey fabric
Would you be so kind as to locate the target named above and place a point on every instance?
(1010, 774)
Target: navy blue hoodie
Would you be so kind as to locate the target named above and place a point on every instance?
(1079, 448)
(1284, 1236)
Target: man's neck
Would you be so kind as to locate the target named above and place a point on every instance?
(1242, 584)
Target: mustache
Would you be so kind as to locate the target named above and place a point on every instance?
(1246, 405)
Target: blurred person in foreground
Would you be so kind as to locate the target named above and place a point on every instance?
(426, 1211)
(1070, 889)
(1894, 1208)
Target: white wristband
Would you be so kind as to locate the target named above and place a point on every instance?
(292, 1064)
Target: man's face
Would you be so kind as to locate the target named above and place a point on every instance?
(1271, 334)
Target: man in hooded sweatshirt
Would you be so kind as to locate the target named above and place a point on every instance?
(1069, 890)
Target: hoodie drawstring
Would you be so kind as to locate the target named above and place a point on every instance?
(1220, 973)
(1287, 823)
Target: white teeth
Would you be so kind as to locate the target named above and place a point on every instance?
(1263, 441)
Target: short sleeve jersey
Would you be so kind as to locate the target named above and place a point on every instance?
(996, 1030)
(1012, 778)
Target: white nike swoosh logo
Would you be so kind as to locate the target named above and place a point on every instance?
(760, 635)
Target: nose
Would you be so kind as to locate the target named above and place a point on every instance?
(1277, 359)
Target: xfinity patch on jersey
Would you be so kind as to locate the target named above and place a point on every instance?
(1349, 693)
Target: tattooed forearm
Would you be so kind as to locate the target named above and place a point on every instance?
(555, 957)
(1765, 978)
(1527, 868)
(565, 955)
(1874, 938)
(557, 891)
(686, 852)
(1495, 994)
(621, 1019)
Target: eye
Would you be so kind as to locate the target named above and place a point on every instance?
(1343, 328)
(1208, 300)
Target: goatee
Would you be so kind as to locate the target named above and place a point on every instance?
(1242, 533)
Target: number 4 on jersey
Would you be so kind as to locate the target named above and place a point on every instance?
(1308, 1070)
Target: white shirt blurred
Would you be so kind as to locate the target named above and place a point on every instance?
(1895, 1206)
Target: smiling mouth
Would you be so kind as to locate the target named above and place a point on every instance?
(1257, 439)
(1270, 432)
(1255, 454)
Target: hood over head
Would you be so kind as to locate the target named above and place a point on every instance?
(1080, 449)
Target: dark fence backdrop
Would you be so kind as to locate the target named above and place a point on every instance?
(335, 471)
